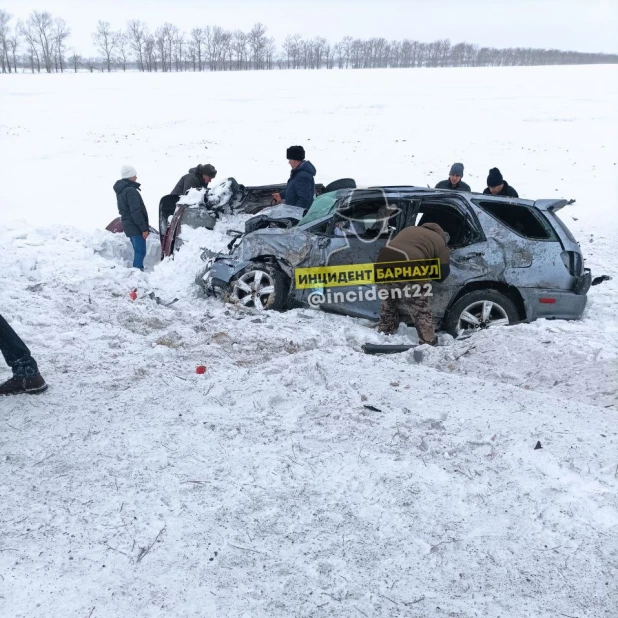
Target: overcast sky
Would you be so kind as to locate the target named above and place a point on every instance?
(580, 25)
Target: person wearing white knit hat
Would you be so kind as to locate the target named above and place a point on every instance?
(128, 171)
(133, 213)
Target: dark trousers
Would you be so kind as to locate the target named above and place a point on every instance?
(139, 250)
(16, 352)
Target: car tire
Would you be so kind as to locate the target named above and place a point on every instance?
(480, 310)
(260, 286)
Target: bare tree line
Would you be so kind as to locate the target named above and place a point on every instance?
(40, 44)
(42, 39)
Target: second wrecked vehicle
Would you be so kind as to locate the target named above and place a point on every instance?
(511, 259)
(202, 208)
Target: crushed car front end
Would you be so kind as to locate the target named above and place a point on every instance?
(271, 248)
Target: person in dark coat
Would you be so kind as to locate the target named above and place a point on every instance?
(133, 213)
(429, 241)
(454, 181)
(496, 185)
(300, 189)
(26, 377)
(198, 178)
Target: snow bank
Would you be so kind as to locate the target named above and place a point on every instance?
(194, 197)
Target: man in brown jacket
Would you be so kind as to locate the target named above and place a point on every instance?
(413, 243)
(198, 178)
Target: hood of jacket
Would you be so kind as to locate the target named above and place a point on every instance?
(434, 227)
(124, 183)
(305, 166)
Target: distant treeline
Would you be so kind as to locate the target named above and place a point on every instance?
(40, 44)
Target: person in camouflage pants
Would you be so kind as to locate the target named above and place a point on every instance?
(425, 242)
(402, 303)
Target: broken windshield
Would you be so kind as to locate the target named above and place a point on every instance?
(322, 206)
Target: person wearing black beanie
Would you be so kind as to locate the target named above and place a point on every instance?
(300, 189)
(496, 185)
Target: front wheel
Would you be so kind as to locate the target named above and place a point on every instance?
(480, 310)
(260, 286)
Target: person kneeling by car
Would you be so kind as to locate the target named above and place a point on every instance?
(300, 189)
(413, 243)
(26, 377)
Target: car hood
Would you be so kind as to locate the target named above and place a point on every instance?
(292, 245)
(284, 211)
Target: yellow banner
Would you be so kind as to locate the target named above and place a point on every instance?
(366, 274)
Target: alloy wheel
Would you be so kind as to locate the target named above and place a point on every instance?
(482, 314)
(254, 289)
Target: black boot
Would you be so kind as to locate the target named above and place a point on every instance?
(21, 386)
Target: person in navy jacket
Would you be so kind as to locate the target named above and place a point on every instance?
(300, 189)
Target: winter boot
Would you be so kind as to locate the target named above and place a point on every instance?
(20, 386)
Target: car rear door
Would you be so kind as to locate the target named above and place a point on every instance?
(467, 246)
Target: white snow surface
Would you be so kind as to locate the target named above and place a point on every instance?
(298, 476)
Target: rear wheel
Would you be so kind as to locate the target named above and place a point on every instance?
(480, 310)
(260, 286)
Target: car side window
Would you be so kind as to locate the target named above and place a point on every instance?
(321, 228)
(450, 220)
(366, 219)
(518, 218)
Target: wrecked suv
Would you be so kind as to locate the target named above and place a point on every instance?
(511, 259)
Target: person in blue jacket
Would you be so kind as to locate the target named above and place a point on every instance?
(300, 189)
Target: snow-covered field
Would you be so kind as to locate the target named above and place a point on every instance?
(298, 477)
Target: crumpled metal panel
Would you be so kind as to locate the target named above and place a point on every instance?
(291, 247)
(285, 211)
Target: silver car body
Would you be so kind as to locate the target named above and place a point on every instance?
(540, 266)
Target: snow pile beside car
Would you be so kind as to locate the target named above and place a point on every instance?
(193, 197)
(221, 194)
(214, 197)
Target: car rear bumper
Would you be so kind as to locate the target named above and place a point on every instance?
(546, 303)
